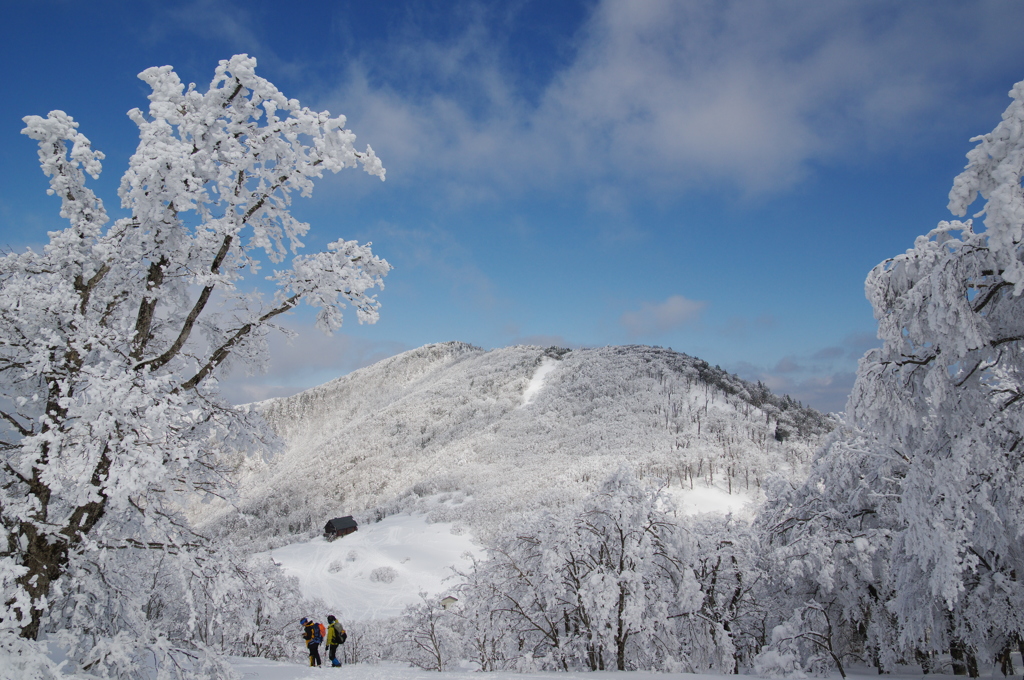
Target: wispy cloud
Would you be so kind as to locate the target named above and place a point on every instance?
(822, 379)
(829, 353)
(308, 359)
(826, 393)
(787, 365)
(859, 343)
(663, 95)
(654, 318)
(240, 27)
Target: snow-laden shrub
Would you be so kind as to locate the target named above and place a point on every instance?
(385, 574)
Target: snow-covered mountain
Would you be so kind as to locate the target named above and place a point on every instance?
(476, 437)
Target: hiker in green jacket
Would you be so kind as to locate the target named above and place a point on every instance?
(335, 636)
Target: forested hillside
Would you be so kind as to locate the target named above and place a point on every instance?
(478, 436)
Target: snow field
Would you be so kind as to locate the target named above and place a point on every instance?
(701, 499)
(263, 669)
(380, 569)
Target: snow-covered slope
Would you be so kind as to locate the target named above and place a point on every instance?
(477, 436)
(382, 568)
(379, 570)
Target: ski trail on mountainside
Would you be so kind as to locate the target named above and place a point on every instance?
(547, 364)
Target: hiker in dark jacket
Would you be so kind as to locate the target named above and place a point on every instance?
(311, 634)
(335, 636)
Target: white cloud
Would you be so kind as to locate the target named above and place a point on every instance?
(823, 378)
(307, 360)
(825, 391)
(661, 95)
(656, 318)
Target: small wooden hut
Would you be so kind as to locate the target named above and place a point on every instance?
(340, 526)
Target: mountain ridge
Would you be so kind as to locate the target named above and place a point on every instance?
(448, 429)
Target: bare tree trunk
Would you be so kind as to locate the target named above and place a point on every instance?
(621, 634)
(1006, 659)
(964, 661)
(45, 563)
(956, 655)
(924, 659)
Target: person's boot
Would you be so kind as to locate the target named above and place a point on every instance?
(336, 663)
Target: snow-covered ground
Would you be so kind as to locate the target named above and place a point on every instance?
(380, 569)
(261, 669)
(702, 499)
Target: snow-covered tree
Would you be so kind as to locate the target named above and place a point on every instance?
(602, 585)
(944, 393)
(827, 544)
(906, 539)
(428, 637)
(726, 632)
(630, 572)
(112, 338)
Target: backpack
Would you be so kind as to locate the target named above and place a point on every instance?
(318, 632)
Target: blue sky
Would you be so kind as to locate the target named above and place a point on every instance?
(715, 177)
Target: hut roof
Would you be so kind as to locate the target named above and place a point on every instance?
(340, 523)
